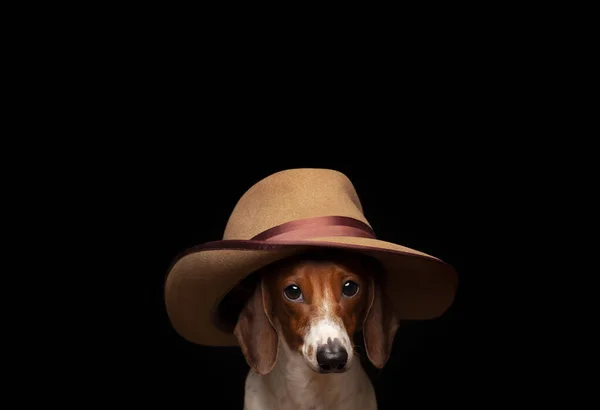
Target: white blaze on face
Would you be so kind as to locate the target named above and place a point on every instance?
(326, 325)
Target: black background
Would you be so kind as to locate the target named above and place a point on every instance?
(446, 133)
(176, 147)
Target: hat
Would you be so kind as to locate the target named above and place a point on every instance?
(288, 213)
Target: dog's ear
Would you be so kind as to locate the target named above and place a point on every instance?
(380, 326)
(255, 332)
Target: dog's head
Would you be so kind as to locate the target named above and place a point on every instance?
(317, 303)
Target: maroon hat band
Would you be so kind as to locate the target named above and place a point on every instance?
(317, 227)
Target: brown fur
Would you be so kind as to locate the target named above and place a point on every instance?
(380, 326)
(370, 308)
(315, 279)
(255, 332)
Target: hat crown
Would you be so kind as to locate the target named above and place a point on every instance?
(292, 195)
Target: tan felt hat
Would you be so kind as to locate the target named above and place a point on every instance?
(287, 213)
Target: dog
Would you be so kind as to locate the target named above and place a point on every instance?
(297, 324)
(297, 328)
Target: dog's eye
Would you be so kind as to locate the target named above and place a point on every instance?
(292, 292)
(350, 288)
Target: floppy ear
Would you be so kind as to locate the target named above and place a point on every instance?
(380, 326)
(256, 334)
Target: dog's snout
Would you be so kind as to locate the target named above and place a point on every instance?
(332, 356)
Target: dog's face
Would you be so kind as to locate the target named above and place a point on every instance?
(317, 305)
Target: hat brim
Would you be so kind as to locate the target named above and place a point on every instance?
(420, 286)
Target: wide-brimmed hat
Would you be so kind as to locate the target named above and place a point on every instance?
(285, 214)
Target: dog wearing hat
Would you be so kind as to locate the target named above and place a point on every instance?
(297, 275)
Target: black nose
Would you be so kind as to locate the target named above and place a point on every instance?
(332, 357)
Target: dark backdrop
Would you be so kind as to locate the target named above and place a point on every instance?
(443, 149)
(183, 196)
